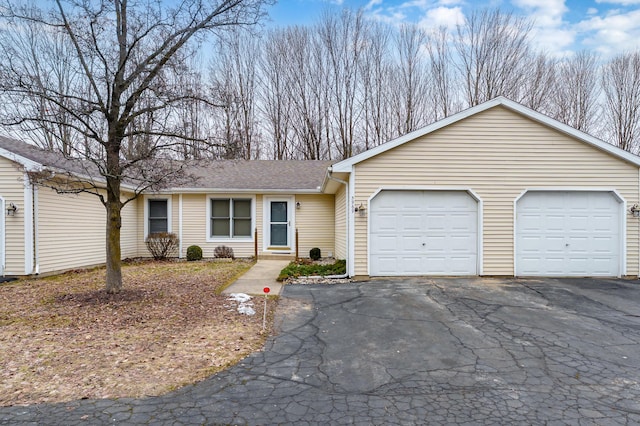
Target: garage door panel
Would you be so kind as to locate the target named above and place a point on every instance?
(437, 231)
(384, 221)
(572, 234)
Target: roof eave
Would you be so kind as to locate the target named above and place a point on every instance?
(28, 164)
(238, 191)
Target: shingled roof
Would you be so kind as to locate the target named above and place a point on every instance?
(264, 175)
(211, 175)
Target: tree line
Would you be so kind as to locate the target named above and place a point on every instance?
(336, 88)
(347, 84)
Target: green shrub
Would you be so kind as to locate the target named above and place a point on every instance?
(194, 253)
(302, 269)
(223, 252)
(162, 244)
(314, 253)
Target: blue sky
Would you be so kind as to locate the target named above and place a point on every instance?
(561, 26)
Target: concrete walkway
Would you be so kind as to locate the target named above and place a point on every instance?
(262, 274)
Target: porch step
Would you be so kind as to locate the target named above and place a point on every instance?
(277, 256)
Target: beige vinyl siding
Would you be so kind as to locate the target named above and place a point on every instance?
(498, 154)
(340, 223)
(139, 210)
(12, 188)
(314, 221)
(129, 231)
(72, 231)
(194, 225)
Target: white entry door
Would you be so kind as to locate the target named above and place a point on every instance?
(423, 233)
(568, 233)
(279, 224)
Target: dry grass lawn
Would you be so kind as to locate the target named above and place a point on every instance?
(63, 338)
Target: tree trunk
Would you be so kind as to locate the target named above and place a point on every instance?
(114, 267)
(114, 221)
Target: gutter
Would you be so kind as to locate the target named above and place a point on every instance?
(348, 210)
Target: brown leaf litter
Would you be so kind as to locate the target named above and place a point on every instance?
(64, 338)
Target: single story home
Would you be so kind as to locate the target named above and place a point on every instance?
(497, 189)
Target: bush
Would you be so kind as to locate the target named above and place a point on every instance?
(314, 253)
(301, 268)
(223, 252)
(194, 253)
(162, 244)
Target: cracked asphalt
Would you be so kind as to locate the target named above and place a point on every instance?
(415, 351)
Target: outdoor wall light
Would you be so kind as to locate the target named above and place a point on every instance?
(361, 209)
(11, 210)
(298, 205)
(635, 210)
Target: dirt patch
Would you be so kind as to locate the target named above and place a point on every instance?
(63, 338)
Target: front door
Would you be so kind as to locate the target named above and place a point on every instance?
(279, 224)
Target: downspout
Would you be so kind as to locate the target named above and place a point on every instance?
(346, 219)
(36, 255)
(180, 226)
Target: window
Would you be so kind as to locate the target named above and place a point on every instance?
(231, 218)
(158, 216)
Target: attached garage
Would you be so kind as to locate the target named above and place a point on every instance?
(569, 233)
(494, 190)
(423, 232)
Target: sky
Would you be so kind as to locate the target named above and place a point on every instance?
(561, 27)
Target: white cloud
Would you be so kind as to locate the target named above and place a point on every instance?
(546, 13)
(372, 4)
(442, 17)
(613, 33)
(592, 11)
(550, 31)
(621, 2)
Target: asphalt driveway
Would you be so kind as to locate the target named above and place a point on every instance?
(415, 351)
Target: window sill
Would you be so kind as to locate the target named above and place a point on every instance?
(230, 240)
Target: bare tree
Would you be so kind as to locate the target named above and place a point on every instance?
(492, 49)
(234, 85)
(540, 83)
(342, 39)
(442, 78)
(375, 71)
(576, 93)
(123, 52)
(275, 89)
(621, 85)
(410, 80)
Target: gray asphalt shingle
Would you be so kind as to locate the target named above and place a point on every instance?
(220, 175)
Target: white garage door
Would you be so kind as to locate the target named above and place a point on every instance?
(423, 233)
(568, 233)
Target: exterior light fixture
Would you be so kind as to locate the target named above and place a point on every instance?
(361, 209)
(11, 210)
(635, 210)
(298, 205)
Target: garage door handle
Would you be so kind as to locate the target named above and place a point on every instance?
(424, 244)
(566, 245)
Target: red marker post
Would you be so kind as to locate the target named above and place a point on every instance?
(266, 291)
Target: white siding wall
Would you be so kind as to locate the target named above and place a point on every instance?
(12, 191)
(72, 231)
(498, 154)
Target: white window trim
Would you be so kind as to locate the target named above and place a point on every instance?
(210, 238)
(167, 198)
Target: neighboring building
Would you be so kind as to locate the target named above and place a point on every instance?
(497, 189)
